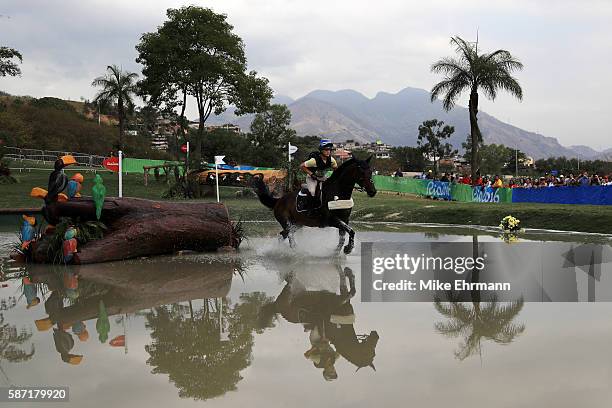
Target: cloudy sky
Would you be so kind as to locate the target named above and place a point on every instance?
(368, 46)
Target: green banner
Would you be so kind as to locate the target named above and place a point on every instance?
(136, 165)
(430, 188)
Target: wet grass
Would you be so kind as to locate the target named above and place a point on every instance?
(382, 208)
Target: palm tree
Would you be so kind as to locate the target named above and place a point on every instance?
(489, 72)
(489, 320)
(118, 87)
(484, 320)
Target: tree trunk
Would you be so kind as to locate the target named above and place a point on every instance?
(197, 154)
(475, 134)
(140, 228)
(182, 129)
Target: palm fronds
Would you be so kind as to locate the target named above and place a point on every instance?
(470, 71)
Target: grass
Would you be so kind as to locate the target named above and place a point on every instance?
(382, 208)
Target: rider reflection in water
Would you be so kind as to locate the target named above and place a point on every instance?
(329, 318)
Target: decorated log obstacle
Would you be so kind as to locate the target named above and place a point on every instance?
(140, 228)
(86, 230)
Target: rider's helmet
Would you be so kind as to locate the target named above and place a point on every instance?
(325, 144)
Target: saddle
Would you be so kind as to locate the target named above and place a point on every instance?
(304, 202)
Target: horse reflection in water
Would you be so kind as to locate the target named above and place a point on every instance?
(329, 319)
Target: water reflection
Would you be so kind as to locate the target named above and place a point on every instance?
(484, 319)
(12, 340)
(192, 349)
(202, 346)
(329, 319)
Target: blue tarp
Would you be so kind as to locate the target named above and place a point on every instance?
(595, 195)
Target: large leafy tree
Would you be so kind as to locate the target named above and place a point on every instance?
(8, 65)
(195, 53)
(474, 72)
(270, 133)
(409, 158)
(432, 134)
(119, 88)
(498, 158)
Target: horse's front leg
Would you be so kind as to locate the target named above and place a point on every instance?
(348, 272)
(341, 239)
(344, 226)
(292, 229)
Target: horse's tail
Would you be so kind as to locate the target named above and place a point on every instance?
(263, 193)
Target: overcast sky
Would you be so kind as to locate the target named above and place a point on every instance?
(368, 46)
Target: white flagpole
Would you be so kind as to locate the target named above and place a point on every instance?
(120, 174)
(218, 160)
(217, 179)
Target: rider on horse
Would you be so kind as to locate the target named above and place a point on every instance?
(317, 165)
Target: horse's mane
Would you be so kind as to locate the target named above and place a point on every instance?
(342, 168)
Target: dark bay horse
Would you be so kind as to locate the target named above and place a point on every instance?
(339, 186)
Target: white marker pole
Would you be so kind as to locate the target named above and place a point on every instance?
(187, 157)
(217, 179)
(218, 160)
(120, 174)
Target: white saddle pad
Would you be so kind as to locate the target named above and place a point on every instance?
(340, 204)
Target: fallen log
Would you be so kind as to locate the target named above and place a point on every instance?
(140, 228)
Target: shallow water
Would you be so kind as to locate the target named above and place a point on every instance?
(229, 328)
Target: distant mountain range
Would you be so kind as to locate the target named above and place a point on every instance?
(395, 118)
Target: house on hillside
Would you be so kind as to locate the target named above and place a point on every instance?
(163, 130)
(342, 154)
(379, 149)
(230, 127)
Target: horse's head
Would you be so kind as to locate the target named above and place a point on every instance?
(354, 171)
(364, 176)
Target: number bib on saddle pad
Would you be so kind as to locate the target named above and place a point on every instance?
(340, 204)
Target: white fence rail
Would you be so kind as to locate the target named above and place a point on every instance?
(50, 156)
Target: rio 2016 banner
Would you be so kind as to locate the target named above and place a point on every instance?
(593, 195)
(438, 189)
(443, 190)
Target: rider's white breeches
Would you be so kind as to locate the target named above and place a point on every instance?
(312, 185)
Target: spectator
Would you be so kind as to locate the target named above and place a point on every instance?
(399, 173)
(584, 179)
(497, 183)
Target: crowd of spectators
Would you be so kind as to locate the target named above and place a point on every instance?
(548, 180)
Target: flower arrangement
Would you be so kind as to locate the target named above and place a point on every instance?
(510, 224)
(510, 227)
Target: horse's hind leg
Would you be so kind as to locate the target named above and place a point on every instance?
(284, 234)
(288, 230)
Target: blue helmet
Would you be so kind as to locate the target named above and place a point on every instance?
(325, 144)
